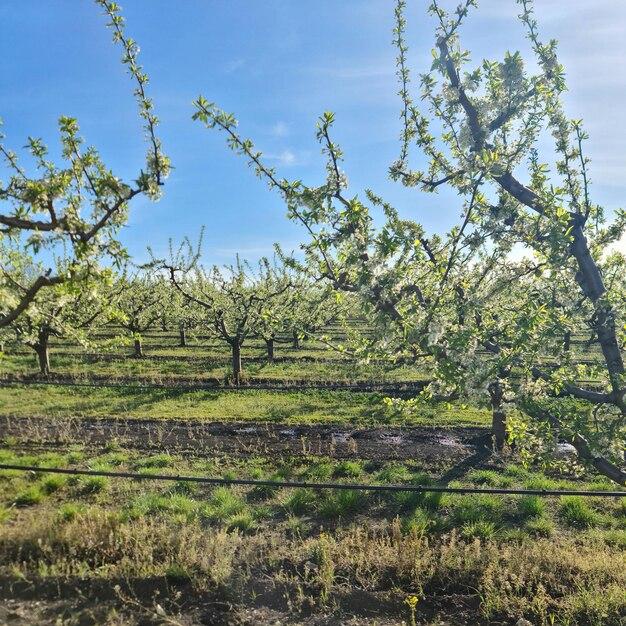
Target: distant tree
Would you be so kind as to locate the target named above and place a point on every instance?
(138, 297)
(272, 318)
(309, 308)
(63, 311)
(75, 209)
(233, 299)
(188, 316)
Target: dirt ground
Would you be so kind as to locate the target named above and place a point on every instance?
(435, 447)
(140, 603)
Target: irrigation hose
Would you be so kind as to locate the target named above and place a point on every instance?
(302, 484)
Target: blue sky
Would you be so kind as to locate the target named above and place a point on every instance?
(277, 64)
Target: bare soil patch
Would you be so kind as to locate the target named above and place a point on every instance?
(436, 447)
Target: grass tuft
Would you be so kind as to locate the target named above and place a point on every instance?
(29, 496)
(223, 505)
(69, 511)
(576, 511)
(93, 484)
(540, 527)
(301, 501)
(530, 506)
(480, 529)
(53, 483)
(349, 469)
(341, 503)
(476, 508)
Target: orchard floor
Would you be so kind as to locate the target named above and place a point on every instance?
(83, 550)
(80, 550)
(433, 447)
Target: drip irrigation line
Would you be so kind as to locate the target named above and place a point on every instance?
(302, 484)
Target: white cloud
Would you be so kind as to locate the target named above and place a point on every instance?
(234, 65)
(286, 157)
(280, 129)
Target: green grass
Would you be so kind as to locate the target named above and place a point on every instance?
(53, 483)
(539, 527)
(576, 511)
(348, 469)
(303, 407)
(154, 503)
(223, 505)
(93, 484)
(300, 501)
(481, 529)
(212, 366)
(156, 461)
(69, 510)
(476, 508)
(248, 509)
(336, 504)
(28, 496)
(490, 478)
(531, 506)
(418, 522)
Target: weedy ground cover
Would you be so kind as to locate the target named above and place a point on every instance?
(545, 559)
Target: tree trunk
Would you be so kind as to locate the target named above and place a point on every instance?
(138, 348)
(296, 341)
(163, 324)
(183, 336)
(43, 357)
(236, 350)
(498, 415)
(270, 349)
(590, 281)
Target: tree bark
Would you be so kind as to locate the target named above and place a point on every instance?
(236, 362)
(42, 349)
(498, 415)
(296, 341)
(43, 357)
(590, 280)
(138, 348)
(269, 343)
(183, 336)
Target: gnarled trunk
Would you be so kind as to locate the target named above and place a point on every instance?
(138, 348)
(183, 336)
(43, 358)
(296, 341)
(236, 361)
(269, 344)
(41, 348)
(498, 415)
(602, 465)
